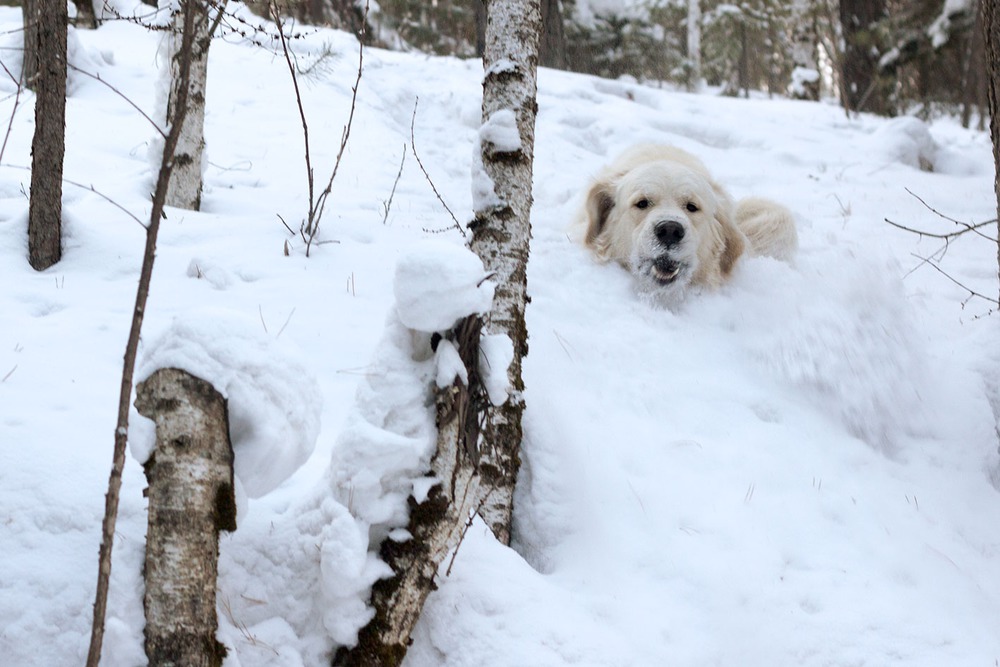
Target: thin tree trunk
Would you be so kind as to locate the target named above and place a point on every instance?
(501, 234)
(694, 44)
(552, 46)
(477, 469)
(191, 499)
(991, 41)
(48, 146)
(128, 367)
(186, 182)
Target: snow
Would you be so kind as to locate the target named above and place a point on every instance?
(274, 402)
(496, 356)
(500, 130)
(798, 469)
(437, 283)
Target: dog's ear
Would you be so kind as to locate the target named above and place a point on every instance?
(600, 201)
(734, 241)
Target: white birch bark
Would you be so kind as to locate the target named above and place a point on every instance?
(190, 500)
(185, 186)
(805, 43)
(502, 230)
(694, 44)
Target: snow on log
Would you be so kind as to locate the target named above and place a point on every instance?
(274, 400)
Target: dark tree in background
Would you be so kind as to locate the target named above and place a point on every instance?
(45, 27)
(862, 86)
(552, 41)
(991, 39)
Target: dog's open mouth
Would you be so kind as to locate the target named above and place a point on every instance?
(665, 271)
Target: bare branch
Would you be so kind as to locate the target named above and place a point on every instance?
(967, 226)
(949, 235)
(17, 101)
(413, 147)
(972, 292)
(97, 77)
(317, 204)
(321, 201)
(388, 204)
(89, 188)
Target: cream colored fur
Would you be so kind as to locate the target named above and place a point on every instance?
(657, 211)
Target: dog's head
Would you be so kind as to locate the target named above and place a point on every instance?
(668, 223)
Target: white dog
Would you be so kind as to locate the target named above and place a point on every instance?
(658, 212)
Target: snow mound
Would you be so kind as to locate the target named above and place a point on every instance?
(274, 400)
(908, 141)
(437, 283)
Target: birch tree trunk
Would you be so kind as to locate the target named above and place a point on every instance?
(191, 499)
(805, 41)
(184, 190)
(477, 470)
(694, 44)
(47, 29)
(501, 231)
(436, 524)
(991, 40)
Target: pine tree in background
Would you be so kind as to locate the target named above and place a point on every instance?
(864, 87)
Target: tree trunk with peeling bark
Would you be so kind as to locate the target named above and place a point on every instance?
(501, 234)
(478, 444)
(191, 499)
(436, 525)
(185, 186)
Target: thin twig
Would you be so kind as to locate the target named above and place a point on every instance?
(967, 226)
(345, 135)
(949, 235)
(413, 147)
(97, 77)
(287, 320)
(285, 224)
(90, 188)
(17, 101)
(317, 204)
(944, 273)
(310, 179)
(388, 204)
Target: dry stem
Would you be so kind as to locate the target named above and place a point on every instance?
(131, 350)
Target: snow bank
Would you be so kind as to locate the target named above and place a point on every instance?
(274, 400)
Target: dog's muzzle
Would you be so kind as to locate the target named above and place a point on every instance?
(665, 270)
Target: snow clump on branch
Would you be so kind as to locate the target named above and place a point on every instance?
(437, 283)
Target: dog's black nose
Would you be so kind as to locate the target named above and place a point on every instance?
(669, 232)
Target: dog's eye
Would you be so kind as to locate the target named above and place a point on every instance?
(692, 207)
(642, 204)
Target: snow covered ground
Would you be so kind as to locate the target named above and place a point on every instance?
(800, 469)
